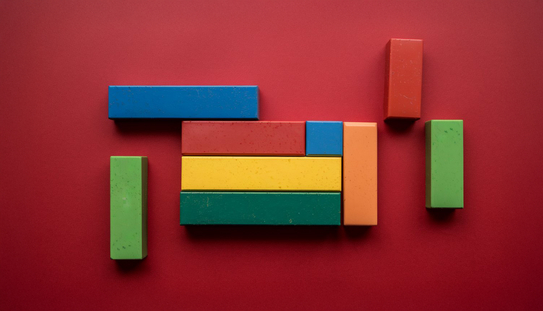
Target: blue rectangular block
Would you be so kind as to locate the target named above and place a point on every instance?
(324, 138)
(183, 102)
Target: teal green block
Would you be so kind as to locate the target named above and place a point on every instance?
(444, 164)
(128, 207)
(260, 208)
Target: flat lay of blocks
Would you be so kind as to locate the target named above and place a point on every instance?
(248, 172)
(271, 155)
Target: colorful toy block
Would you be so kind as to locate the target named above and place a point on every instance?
(183, 102)
(324, 138)
(403, 79)
(128, 207)
(243, 138)
(260, 173)
(360, 174)
(260, 208)
(444, 164)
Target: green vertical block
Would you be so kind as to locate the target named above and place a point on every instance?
(260, 208)
(444, 163)
(128, 207)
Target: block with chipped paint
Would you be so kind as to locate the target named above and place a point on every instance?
(183, 102)
(276, 138)
(261, 173)
(260, 208)
(444, 164)
(128, 207)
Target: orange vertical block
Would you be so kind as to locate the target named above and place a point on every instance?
(403, 79)
(359, 174)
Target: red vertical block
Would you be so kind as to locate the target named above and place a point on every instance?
(243, 138)
(403, 79)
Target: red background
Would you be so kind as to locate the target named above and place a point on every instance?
(313, 60)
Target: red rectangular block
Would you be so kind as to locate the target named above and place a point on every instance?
(403, 79)
(243, 138)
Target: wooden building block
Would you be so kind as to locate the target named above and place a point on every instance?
(260, 208)
(183, 102)
(261, 173)
(403, 79)
(243, 138)
(444, 164)
(360, 174)
(128, 207)
(324, 138)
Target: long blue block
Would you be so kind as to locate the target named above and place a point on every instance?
(324, 138)
(183, 102)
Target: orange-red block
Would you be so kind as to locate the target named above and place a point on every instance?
(403, 79)
(359, 174)
(243, 138)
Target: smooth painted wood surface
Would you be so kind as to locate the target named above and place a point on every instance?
(359, 173)
(444, 163)
(261, 173)
(183, 102)
(128, 207)
(285, 138)
(260, 208)
(403, 87)
(324, 138)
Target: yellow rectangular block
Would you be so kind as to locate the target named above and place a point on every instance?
(359, 174)
(261, 173)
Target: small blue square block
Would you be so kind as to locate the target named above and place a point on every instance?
(324, 138)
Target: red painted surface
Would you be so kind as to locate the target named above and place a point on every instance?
(403, 72)
(243, 138)
(312, 60)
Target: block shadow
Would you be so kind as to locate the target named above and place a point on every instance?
(400, 125)
(357, 232)
(261, 233)
(441, 215)
(128, 266)
(139, 127)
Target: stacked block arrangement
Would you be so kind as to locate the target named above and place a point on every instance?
(257, 173)
(264, 184)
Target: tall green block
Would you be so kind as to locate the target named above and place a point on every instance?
(128, 207)
(444, 163)
(260, 208)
